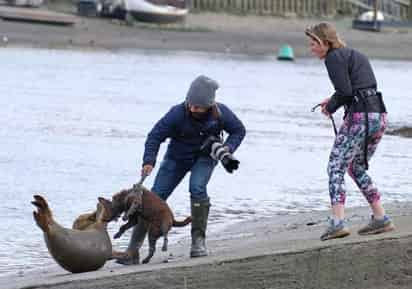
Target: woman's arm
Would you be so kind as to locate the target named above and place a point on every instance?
(233, 126)
(338, 70)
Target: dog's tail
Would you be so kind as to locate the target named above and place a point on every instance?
(186, 221)
(43, 216)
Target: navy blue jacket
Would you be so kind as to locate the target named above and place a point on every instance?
(187, 134)
(349, 71)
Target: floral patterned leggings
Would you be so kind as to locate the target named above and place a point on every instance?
(348, 155)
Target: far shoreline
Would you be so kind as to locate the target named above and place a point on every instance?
(248, 35)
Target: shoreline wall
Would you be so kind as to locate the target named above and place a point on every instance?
(377, 264)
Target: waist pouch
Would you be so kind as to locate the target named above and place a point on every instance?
(366, 102)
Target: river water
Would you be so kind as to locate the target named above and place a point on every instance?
(73, 126)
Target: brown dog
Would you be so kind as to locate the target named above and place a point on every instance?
(140, 203)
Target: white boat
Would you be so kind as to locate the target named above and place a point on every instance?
(366, 21)
(370, 16)
(159, 11)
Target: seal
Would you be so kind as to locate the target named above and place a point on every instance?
(86, 221)
(76, 250)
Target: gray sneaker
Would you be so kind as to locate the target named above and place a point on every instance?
(377, 226)
(335, 231)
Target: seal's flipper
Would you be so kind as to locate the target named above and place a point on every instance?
(43, 216)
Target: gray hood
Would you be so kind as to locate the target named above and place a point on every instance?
(202, 92)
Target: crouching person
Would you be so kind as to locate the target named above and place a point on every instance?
(194, 128)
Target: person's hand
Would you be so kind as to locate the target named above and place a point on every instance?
(323, 105)
(147, 170)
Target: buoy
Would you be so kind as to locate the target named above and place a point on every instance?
(286, 53)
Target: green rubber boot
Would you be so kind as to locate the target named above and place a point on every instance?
(200, 214)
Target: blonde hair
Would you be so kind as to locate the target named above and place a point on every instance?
(325, 33)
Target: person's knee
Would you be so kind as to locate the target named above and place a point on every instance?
(356, 171)
(335, 170)
(198, 193)
(198, 186)
(373, 197)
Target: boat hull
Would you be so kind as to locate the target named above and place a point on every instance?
(156, 18)
(146, 11)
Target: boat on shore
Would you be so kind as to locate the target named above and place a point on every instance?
(157, 11)
(369, 21)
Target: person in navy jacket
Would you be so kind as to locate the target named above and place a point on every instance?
(187, 125)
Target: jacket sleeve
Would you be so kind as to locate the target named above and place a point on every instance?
(338, 72)
(163, 129)
(234, 127)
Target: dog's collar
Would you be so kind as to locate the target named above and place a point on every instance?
(139, 194)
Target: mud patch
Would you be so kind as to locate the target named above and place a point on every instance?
(404, 131)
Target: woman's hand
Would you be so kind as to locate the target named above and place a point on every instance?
(323, 105)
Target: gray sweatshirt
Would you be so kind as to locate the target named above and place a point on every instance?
(349, 71)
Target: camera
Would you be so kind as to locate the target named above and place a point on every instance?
(214, 147)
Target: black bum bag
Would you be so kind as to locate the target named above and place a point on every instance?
(368, 100)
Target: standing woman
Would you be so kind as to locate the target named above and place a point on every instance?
(364, 124)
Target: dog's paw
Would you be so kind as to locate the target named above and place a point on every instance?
(118, 255)
(164, 256)
(127, 261)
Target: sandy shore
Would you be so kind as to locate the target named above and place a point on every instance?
(209, 32)
(279, 252)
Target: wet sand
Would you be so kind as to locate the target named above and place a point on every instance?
(279, 252)
(252, 35)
